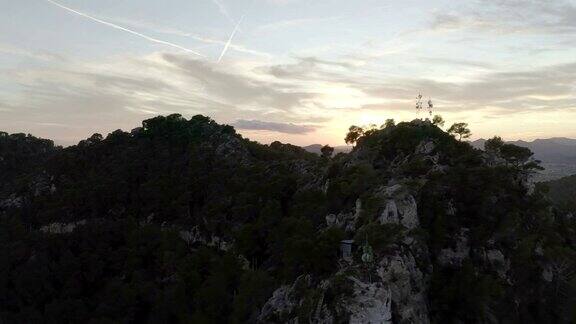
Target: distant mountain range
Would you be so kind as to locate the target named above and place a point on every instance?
(562, 192)
(551, 150)
(558, 155)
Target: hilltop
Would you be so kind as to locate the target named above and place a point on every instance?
(184, 220)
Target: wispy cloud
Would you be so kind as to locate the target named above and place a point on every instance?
(543, 89)
(456, 62)
(514, 16)
(294, 23)
(223, 10)
(240, 88)
(115, 26)
(39, 55)
(287, 128)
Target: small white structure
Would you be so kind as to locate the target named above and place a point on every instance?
(346, 249)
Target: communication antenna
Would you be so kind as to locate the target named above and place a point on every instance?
(419, 105)
(430, 106)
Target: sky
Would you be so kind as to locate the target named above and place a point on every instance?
(298, 71)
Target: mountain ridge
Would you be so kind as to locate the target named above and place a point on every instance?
(184, 220)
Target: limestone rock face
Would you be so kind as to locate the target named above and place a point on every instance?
(191, 236)
(390, 213)
(453, 257)
(407, 286)
(194, 236)
(281, 302)
(11, 202)
(425, 147)
(345, 220)
(231, 148)
(409, 211)
(400, 207)
(392, 290)
(331, 220)
(326, 186)
(547, 275)
(451, 210)
(358, 209)
(61, 228)
(286, 301)
(498, 261)
(371, 303)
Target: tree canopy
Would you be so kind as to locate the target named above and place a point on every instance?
(460, 129)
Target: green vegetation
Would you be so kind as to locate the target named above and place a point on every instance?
(183, 220)
(460, 129)
(562, 193)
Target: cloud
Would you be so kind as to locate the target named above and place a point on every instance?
(223, 10)
(294, 23)
(105, 95)
(170, 30)
(39, 55)
(539, 89)
(239, 89)
(115, 26)
(455, 62)
(311, 68)
(300, 96)
(275, 127)
(511, 16)
(281, 2)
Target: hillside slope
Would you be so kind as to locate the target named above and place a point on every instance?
(562, 192)
(186, 221)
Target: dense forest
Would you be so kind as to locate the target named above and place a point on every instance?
(184, 220)
(562, 193)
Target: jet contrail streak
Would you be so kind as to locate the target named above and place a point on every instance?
(230, 40)
(223, 10)
(151, 39)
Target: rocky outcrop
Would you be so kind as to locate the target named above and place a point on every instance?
(453, 257)
(370, 304)
(12, 201)
(193, 236)
(392, 290)
(407, 285)
(358, 208)
(345, 220)
(61, 228)
(302, 302)
(498, 262)
(231, 148)
(279, 306)
(425, 147)
(400, 206)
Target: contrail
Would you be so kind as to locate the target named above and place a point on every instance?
(230, 40)
(109, 24)
(223, 10)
